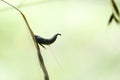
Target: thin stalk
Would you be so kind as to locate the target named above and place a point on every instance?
(41, 61)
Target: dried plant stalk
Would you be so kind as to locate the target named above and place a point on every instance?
(41, 61)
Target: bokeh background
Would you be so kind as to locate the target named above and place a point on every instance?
(88, 49)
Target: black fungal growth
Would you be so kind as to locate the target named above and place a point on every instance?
(36, 40)
(44, 41)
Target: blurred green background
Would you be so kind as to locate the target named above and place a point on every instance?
(87, 50)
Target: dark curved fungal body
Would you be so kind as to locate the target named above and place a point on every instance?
(36, 40)
(44, 41)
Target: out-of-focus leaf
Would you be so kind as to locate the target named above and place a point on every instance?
(115, 7)
(111, 18)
